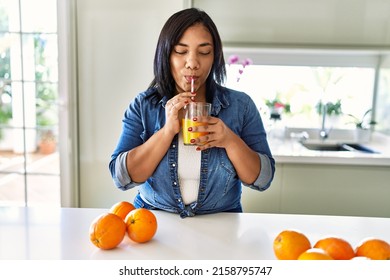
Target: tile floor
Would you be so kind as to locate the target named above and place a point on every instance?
(42, 179)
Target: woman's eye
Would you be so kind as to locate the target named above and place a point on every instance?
(184, 51)
(180, 51)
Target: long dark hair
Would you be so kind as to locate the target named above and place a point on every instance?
(170, 35)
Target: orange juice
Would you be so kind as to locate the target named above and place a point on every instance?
(188, 135)
(193, 110)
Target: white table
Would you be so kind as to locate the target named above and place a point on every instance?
(54, 233)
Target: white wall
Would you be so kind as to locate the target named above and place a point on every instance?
(115, 47)
(116, 40)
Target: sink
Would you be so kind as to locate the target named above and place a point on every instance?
(325, 146)
(313, 134)
(343, 147)
(339, 140)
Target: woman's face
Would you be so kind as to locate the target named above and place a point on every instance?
(192, 57)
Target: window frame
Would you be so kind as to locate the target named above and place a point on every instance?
(316, 57)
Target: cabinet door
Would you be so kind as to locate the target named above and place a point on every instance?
(336, 190)
(301, 22)
(267, 201)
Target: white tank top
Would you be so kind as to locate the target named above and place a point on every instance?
(188, 171)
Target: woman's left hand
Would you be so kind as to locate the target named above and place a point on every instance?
(219, 135)
(245, 161)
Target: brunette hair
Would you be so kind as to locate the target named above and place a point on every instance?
(170, 35)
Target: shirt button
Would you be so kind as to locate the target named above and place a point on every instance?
(173, 146)
(173, 164)
(175, 183)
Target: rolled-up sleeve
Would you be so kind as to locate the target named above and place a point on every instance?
(120, 175)
(265, 177)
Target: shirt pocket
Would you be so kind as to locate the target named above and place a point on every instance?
(225, 175)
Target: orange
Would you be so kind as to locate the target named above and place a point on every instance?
(337, 248)
(314, 254)
(141, 225)
(107, 231)
(289, 244)
(373, 248)
(122, 208)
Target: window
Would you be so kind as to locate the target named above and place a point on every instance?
(293, 86)
(29, 161)
(383, 99)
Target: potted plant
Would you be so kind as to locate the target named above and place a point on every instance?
(47, 142)
(276, 107)
(332, 109)
(364, 122)
(363, 125)
(47, 118)
(5, 107)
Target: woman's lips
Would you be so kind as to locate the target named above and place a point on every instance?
(190, 78)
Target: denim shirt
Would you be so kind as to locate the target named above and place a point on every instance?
(219, 187)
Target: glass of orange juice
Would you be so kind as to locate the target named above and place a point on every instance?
(193, 110)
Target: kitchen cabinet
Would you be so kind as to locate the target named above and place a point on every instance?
(336, 190)
(325, 189)
(360, 23)
(267, 201)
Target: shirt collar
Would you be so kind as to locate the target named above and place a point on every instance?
(220, 100)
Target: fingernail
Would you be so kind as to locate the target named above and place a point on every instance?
(192, 141)
(194, 93)
(190, 129)
(198, 149)
(186, 102)
(195, 119)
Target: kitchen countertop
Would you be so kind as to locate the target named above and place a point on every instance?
(287, 150)
(63, 233)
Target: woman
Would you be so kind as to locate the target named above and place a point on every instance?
(150, 152)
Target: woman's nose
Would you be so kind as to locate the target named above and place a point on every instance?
(192, 62)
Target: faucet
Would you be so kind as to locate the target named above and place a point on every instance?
(323, 132)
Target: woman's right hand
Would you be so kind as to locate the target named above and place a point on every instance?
(173, 111)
